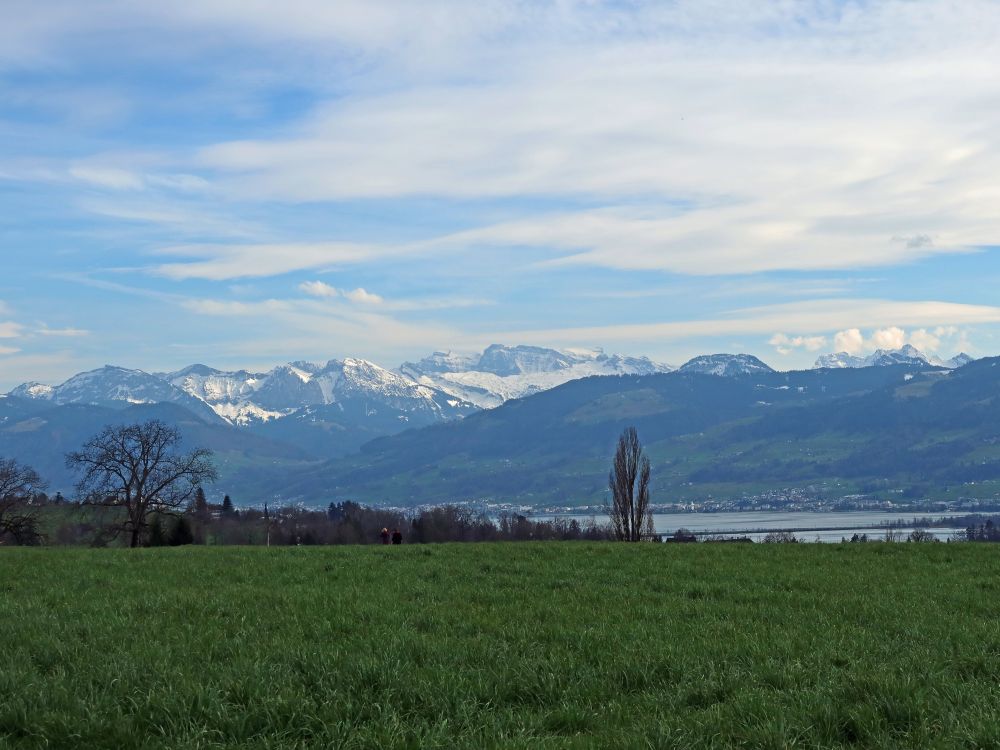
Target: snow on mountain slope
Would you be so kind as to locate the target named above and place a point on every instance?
(725, 365)
(33, 390)
(959, 360)
(114, 386)
(502, 373)
(243, 397)
(360, 379)
(905, 355)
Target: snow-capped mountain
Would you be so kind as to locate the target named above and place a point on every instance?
(959, 360)
(440, 387)
(502, 372)
(33, 390)
(114, 386)
(725, 365)
(905, 355)
(243, 397)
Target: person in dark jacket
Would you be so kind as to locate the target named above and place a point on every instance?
(397, 536)
(385, 536)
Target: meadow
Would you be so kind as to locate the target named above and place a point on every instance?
(546, 645)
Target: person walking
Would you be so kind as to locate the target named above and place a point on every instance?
(385, 536)
(397, 536)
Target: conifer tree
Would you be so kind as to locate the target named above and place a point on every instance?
(181, 533)
(157, 538)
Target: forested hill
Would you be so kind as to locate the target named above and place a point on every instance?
(916, 431)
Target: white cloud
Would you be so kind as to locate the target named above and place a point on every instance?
(4, 350)
(850, 341)
(108, 177)
(797, 318)
(181, 182)
(113, 177)
(363, 297)
(180, 219)
(892, 337)
(10, 330)
(929, 339)
(709, 135)
(925, 341)
(759, 154)
(786, 345)
(62, 332)
(224, 262)
(232, 308)
(321, 289)
(318, 289)
(294, 326)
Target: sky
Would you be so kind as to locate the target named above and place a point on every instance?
(242, 183)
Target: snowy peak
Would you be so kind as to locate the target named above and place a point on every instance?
(959, 360)
(246, 398)
(361, 380)
(619, 364)
(34, 391)
(503, 372)
(523, 360)
(307, 367)
(196, 371)
(284, 389)
(211, 385)
(114, 387)
(440, 362)
(905, 355)
(839, 361)
(361, 377)
(726, 365)
(115, 384)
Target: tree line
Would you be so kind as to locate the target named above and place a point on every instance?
(138, 488)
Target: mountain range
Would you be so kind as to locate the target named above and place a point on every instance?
(907, 433)
(905, 355)
(501, 373)
(440, 428)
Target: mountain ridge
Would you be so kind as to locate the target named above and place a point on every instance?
(920, 428)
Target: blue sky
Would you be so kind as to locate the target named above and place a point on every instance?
(244, 183)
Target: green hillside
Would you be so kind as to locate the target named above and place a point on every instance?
(914, 434)
(501, 645)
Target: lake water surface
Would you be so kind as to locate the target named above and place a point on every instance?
(808, 526)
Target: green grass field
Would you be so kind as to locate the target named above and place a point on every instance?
(523, 645)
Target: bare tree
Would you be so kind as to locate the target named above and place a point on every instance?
(629, 484)
(18, 486)
(921, 535)
(139, 469)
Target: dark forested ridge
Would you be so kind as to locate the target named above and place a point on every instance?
(917, 430)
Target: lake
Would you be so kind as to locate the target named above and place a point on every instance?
(808, 526)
